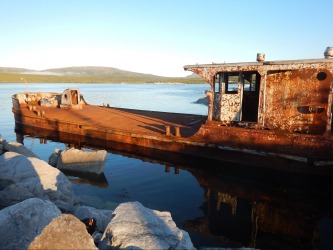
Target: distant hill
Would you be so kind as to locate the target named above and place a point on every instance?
(88, 74)
(194, 75)
(14, 70)
(86, 70)
(93, 70)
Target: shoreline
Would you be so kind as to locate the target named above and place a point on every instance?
(37, 200)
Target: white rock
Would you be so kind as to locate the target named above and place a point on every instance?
(24, 177)
(22, 222)
(134, 226)
(103, 217)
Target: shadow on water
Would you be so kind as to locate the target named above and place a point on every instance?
(243, 206)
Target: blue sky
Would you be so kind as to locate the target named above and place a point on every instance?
(160, 36)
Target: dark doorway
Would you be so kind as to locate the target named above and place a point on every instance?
(251, 82)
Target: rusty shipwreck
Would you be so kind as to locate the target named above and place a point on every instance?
(258, 112)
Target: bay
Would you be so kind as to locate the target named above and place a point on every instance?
(219, 204)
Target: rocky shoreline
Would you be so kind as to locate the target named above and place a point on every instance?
(40, 211)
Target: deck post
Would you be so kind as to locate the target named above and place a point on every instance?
(177, 132)
(167, 130)
(209, 95)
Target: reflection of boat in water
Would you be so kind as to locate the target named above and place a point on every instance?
(261, 208)
(290, 212)
(277, 109)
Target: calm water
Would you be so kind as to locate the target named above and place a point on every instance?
(219, 204)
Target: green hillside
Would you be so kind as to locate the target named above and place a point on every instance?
(87, 74)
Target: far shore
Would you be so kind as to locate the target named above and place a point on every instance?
(153, 83)
(92, 79)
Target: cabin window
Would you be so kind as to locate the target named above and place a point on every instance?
(218, 82)
(231, 83)
(250, 80)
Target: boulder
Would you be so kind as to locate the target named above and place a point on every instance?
(103, 217)
(22, 222)
(2, 145)
(64, 232)
(134, 226)
(90, 161)
(203, 100)
(53, 159)
(19, 148)
(24, 177)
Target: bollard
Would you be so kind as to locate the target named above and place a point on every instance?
(176, 170)
(167, 169)
(167, 129)
(177, 131)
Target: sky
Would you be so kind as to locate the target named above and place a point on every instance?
(160, 36)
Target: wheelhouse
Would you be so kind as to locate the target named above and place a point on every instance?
(292, 96)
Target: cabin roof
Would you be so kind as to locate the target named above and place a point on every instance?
(265, 65)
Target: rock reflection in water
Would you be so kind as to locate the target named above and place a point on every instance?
(243, 206)
(98, 180)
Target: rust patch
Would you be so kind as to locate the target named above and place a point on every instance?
(297, 101)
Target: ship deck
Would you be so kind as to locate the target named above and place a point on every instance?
(150, 123)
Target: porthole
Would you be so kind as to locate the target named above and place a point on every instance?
(321, 76)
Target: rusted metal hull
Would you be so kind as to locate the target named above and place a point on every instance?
(199, 138)
(311, 147)
(201, 155)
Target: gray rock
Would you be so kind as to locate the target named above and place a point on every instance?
(53, 159)
(24, 177)
(19, 148)
(64, 232)
(136, 227)
(22, 222)
(203, 100)
(2, 145)
(103, 217)
(76, 160)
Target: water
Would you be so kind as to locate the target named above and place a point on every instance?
(219, 204)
